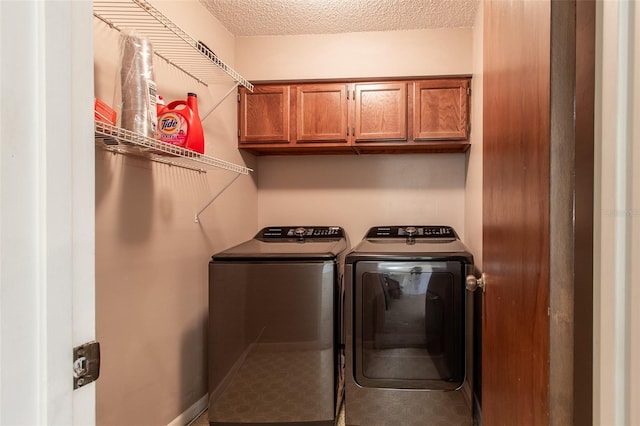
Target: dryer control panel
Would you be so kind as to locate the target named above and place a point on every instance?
(429, 231)
(300, 232)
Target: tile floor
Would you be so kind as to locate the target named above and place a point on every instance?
(203, 419)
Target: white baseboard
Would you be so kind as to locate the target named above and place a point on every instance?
(191, 413)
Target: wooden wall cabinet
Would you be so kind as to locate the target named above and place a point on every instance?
(399, 116)
(441, 109)
(293, 119)
(264, 115)
(321, 113)
(380, 112)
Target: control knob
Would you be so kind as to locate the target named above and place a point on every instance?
(411, 231)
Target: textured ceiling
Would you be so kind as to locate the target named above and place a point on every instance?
(288, 17)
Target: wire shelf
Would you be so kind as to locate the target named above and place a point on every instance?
(169, 41)
(124, 141)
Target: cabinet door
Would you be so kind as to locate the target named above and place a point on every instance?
(264, 114)
(321, 111)
(440, 109)
(380, 112)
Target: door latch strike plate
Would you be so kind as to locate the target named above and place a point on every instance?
(86, 364)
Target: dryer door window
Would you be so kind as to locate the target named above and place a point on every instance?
(409, 325)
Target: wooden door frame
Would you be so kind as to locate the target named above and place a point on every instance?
(571, 212)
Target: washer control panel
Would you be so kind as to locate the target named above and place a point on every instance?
(429, 231)
(301, 232)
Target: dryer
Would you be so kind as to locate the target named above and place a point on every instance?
(274, 323)
(405, 328)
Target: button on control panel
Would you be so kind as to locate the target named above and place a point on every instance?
(412, 232)
(287, 232)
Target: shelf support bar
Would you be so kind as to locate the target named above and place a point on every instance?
(197, 218)
(233, 89)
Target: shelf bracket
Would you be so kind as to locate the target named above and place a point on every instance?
(197, 217)
(233, 89)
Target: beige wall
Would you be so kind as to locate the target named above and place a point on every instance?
(358, 192)
(372, 54)
(151, 257)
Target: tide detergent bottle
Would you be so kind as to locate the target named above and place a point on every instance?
(179, 124)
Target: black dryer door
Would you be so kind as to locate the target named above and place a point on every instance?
(409, 324)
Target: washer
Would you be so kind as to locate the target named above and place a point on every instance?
(405, 328)
(274, 323)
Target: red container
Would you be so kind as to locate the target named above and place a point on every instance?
(179, 124)
(103, 112)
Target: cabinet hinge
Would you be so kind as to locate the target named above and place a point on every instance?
(347, 130)
(468, 91)
(354, 95)
(86, 364)
(238, 132)
(238, 97)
